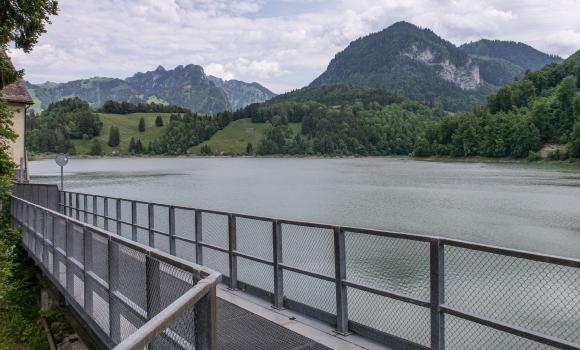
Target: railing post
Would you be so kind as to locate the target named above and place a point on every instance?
(77, 206)
(340, 276)
(151, 224)
(198, 238)
(437, 265)
(153, 286)
(95, 210)
(106, 213)
(119, 218)
(278, 271)
(134, 221)
(86, 208)
(70, 203)
(233, 259)
(172, 230)
(114, 311)
(69, 285)
(87, 265)
(206, 321)
(54, 249)
(44, 243)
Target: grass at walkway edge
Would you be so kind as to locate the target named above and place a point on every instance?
(20, 326)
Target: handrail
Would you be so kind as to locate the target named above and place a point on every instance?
(27, 213)
(434, 254)
(553, 259)
(142, 337)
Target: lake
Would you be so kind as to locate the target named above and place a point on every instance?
(524, 206)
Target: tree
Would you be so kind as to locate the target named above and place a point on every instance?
(158, 121)
(249, 148)
(142, 124)
(132, 145)
(138, 146)
(575, 140)
(23, 21)
(96, 148)
(114, 137)
(205, 149)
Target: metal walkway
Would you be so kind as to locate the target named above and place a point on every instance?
(239, 329)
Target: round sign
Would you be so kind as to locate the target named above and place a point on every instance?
(61, 160)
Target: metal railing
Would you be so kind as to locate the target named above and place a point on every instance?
(407, 291)
(130, 295)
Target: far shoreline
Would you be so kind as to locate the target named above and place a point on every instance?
(470, 160)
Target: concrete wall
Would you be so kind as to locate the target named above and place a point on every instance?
(17, 148)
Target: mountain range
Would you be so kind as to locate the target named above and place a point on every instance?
(423, 66)
(186, 86)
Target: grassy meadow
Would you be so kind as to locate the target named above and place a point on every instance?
(128, 127)
(234, 138)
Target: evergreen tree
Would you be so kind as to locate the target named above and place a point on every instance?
(158, 121)
(205, 149)
(96, 148)
(142, 124)
(138, 146)
(132, 145)
(114, 137)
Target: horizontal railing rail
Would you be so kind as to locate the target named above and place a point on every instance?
(404, 290)
(130, 295)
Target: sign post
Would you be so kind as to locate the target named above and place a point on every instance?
(61, 160)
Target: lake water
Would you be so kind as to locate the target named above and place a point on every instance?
(524, 206)
(530, 207)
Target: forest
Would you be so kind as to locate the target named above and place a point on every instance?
(542, 108)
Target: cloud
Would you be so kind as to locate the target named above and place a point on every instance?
(283, 44)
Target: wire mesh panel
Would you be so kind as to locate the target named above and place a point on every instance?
(126, 211)
(310, 291)
(175, 281)
(254, 237)
(185, 250)
(180, 334)
(161, 219)
(534, 295)
(99, 259)
(77, 284)
(75, 243)
(111, 215)
(100, 307)
(256, 274)
(215, 229)
(185, 223)
(129, 267)
(142, 211)
(309, 248)
(462, 334)
(392, 264)
(404, 320)
(216, 260)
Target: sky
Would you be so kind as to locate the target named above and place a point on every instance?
(281, 44)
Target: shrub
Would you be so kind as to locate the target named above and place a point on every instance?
(534, 156)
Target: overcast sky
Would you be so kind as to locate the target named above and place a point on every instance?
(282, 44)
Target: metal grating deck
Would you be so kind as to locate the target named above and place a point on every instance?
(239, 329)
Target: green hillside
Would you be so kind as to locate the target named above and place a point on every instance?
(234, 138)
(128, 127)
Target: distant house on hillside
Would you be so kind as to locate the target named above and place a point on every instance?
(18, 99)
